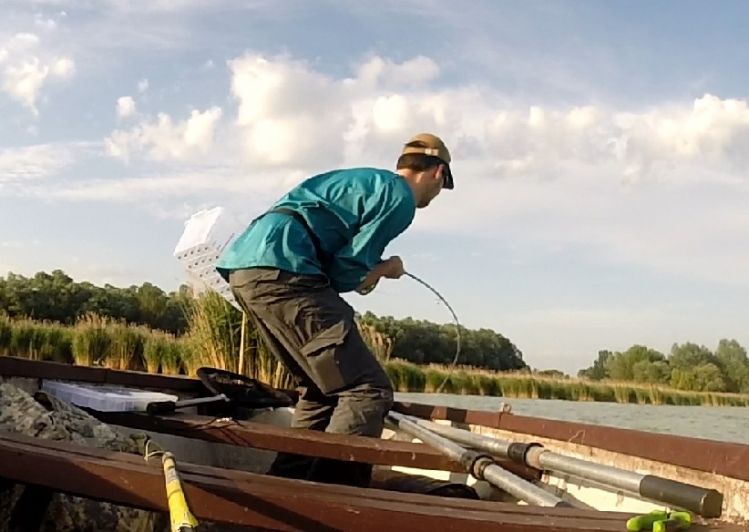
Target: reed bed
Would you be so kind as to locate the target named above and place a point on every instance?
(213, 339)
(409, 377)
(35, 340)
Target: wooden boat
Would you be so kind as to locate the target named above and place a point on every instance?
(222, 463)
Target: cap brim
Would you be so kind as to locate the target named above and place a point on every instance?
(448, 178)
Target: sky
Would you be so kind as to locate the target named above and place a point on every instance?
(599, 150)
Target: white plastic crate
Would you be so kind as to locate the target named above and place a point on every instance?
(206, 235)
(104, 398)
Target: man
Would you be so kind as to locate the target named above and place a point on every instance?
(287, 270)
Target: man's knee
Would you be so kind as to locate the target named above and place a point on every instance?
(388, 395)
(377, 396)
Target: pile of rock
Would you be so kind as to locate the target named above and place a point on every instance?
(43, 416)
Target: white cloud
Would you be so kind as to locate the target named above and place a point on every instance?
(417, 71)
(163, 140)
(26, 67)
(36, 162)
(143, 85)
(660, 143)
(23, 81)
(45, 23)
(63, 68)
(290, 114)
(590, 177)
(125, 106)
(628, 186)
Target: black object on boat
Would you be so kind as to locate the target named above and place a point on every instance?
(231, 391)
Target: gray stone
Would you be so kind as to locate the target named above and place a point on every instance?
(57, 420)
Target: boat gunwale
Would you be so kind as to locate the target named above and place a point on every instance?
(728, 459)
(238, 497)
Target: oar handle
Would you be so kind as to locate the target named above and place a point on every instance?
(159, 408)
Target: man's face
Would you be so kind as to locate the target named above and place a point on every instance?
(434, 181)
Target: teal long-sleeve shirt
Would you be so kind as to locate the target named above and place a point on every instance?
(355, 213)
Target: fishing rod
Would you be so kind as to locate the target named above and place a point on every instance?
(706, 502)
(479, 465)
(457, 328)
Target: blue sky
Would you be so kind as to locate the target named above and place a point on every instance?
(600, 150)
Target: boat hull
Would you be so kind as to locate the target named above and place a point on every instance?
(249, 446)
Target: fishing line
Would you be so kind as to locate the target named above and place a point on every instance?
(457, 327)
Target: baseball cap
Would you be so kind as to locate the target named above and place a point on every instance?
(429, 144)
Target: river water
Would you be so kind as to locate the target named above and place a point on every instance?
(716, 423)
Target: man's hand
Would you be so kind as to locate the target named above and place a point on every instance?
(394, 268)
(391, 268)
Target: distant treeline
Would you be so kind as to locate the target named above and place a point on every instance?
(423, 342)
(687, 367)
(58, 298)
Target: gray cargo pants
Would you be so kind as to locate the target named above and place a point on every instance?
(311, 330)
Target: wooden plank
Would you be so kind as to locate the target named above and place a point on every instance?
(722, 458)
(307, 443)
(23, 367)
(272, 503)
(75, 451)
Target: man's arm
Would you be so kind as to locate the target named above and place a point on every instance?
(359, 264)
(391, 268)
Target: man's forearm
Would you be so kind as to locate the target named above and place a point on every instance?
(379, 271)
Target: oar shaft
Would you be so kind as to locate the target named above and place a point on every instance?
(479, 466)
(706, 502)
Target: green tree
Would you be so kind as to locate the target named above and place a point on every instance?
(621, 365)
(733, 361)
(598, 370)
(652, 372)
(57, 297)
(690, 355)
(424, 342)
(705, 377)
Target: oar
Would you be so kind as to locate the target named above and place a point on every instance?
(706, 502)
(480, 466)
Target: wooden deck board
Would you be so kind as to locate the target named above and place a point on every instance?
(273, 503)
(308, 443)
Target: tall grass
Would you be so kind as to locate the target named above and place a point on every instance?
(214, 332)
(125, 346)
(409, 377)
(91, 340)
(171, 355)
(213, 340)
(380, 344)
(6, 332)
(35, 340)
(153, 352)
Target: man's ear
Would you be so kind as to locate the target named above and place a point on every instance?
(440, 174)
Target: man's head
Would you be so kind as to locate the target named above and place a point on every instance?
(425, 164)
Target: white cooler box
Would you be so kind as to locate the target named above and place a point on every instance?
(104, 398)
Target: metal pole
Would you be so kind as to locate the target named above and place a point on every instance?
(706, 502)
(480, 466)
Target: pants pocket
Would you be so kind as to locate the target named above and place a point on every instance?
(331, 368)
